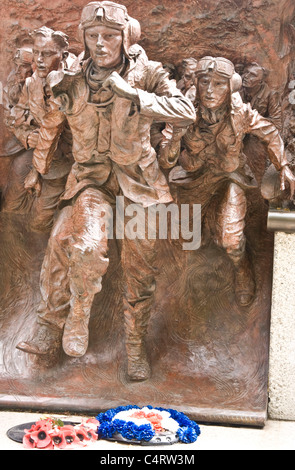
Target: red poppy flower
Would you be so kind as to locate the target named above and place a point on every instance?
(93, 433)
(70, 437)
(49, 447)
(82, 434)
(38, 435)
(28, 442)
(92, 421)
(43, 423)
(52, 434)
(41, 437)
(138, 414)
(155, 419)
(85, 433)
(38, 425)
(58, 439)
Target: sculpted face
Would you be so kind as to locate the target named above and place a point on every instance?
(252, 77)
(188, 78)
(104, 45)
(22, 71)
(213, 90)
(47, 55)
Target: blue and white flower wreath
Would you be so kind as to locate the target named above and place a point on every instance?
(146, 425)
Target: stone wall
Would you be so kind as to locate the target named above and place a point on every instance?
(282, 344)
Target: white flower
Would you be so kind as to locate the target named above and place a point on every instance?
(166, 422)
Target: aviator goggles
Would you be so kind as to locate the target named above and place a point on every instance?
(114, 14)
(219, 65)
(23, 56)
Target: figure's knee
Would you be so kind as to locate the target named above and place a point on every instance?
(140, 283)
(85, 241)
(88, 262)
(92, 220)
(231, 221)
(86, 269)
(61, 232)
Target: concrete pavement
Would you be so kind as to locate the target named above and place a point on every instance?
(276, 435)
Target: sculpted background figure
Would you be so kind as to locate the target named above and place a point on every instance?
(15, 197)
(214, 171)
(289, 120)
(267, 102)
(186, 83)
(257, 92)
(110, 106)
(35, 115)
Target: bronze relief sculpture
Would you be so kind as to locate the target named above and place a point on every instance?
(106, 133)
(32, 113)
(15, 196)
(257, 92)
(109, 105)
(212, 161)
(186, 83)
